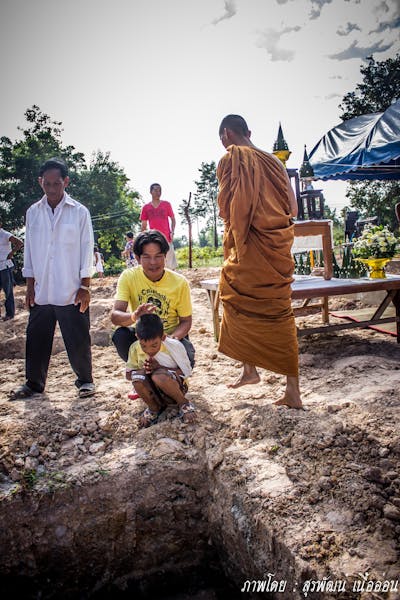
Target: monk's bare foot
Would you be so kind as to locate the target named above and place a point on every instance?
(291, 397)
(290, 402)
(245, 379)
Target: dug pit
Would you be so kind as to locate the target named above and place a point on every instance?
(93, 507)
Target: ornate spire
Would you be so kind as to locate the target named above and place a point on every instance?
(306, 171)
(280, 148)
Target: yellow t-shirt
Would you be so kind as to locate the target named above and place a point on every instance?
(171, 294)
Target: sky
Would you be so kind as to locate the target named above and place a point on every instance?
(150, 80)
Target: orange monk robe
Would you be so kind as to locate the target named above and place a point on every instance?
(258, 325)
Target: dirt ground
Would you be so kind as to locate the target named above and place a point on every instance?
(338, 459)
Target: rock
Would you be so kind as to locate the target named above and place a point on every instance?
(342, 441)
(383, 452)
(91, 426)
(307, 359)
(71, 443)
(324, 483)
(340, 520)
(15, 475)
(60, 531)
(334, 408)
(165, 446)
(214, 459)
(31, 463)
(391, 512)
(373, 474)
(71, 431)
(34, 450)
(101, 337)
(107, 424)
(96, 447)
(353, 466)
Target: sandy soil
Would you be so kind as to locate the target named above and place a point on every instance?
(340, 456)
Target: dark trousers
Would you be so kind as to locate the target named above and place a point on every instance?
(74, 327)
(7, 284)
(123, 337)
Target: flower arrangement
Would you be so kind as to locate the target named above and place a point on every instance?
(375, 242)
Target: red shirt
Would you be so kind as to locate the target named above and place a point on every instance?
(158, 217)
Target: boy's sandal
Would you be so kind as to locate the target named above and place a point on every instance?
(148, 418)
(185, 412)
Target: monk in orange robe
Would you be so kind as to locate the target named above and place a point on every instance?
(257, 203)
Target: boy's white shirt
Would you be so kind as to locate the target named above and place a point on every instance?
(178, 356)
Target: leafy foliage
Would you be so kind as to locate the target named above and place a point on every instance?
(20, 162)
(375, 198)
(202, 257)
(380, 86)
(102, 186)
(206, 198)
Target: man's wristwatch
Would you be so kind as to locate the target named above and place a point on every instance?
(85, 287)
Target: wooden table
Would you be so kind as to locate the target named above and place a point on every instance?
(307, 287)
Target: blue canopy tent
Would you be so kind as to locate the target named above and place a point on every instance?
(365, 147)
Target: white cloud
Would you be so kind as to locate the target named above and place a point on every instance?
(348, 29)
(150, 80)
(356, 51)
(230, 11)
(270, 38)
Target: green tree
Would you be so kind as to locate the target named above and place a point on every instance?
(20, 162)
(379, 88)
(206, 198)
(104, 189)
(375, 198)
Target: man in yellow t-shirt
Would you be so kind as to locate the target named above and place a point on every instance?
(151, 288)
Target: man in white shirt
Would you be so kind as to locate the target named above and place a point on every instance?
(58, 262)
(8, 244)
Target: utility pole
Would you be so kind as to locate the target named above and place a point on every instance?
(188, 218)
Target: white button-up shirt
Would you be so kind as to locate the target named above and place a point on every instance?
(5, 249)
(58, 249)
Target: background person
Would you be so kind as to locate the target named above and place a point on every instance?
(151, 288)
(158, 214)
(98, 262)
(127, 252)
(257, 203)
(8, 245)
(58, 263)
